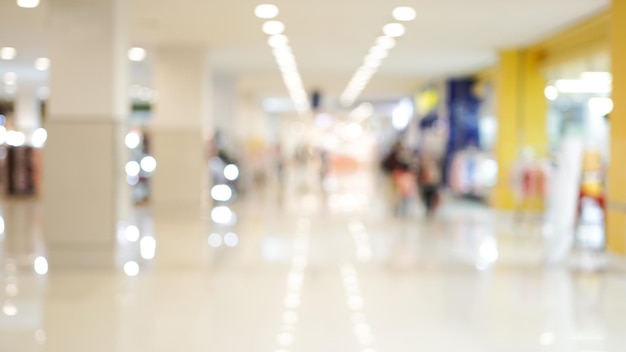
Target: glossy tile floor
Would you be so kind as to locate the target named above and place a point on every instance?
(310, 273)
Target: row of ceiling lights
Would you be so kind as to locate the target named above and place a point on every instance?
(284, 56)
(377, 53)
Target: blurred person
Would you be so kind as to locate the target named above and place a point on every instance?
(324, 166)
(400, 180)
(429, 180)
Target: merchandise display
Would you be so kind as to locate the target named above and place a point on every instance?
(473, 173)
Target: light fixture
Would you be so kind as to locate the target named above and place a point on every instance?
(600, 106)
(8, 53)
(597, 76)
(39, 137)
(266, 11)
(221, 193)
(583, 86)
(41, 265)
(28, 4)
(10, 78)
(42, 64)
(404, 14)
(551, 93)
(131, 268)
(132, 168)
(278, 41)
(386, 42)
(231, 172)
(394, 30)
(273, 27)
(132, 140)
(215, 240)
(231, 239)
(15, 138)
(147, 247)
(148, 164)
(284, 57)
(374, 59)
(132, 234)
(136, 54)
(402, 114)
(362, 112)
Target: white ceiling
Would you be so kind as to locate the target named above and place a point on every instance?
(329, 37)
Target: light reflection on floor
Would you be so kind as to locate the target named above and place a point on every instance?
(303, 270)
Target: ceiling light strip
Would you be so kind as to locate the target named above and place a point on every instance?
(376, 55)
(285, 58)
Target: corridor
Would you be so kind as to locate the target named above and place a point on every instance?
(315, 272)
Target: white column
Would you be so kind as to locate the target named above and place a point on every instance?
(27, 109)
(180, 117)
(84, 192)
(224, 109)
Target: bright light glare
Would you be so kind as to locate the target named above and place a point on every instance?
(136, 54)
(9, 309)
(273, 27)
(42, 64)
(131, 233)
(266, 11)
(7, 53)
(362, 329)
(489, 251)
(583, 86)
(292, 301)
(290, 318)
(222, 215)
(15, 139)
(221, 193)
(41, 265)
(385, 42)
(284, 339)
(402, 115)
(551, 93)
(353, 131)
(600, 106)
(215, 240)
(28, 4)
(39, 138)
(278, 41)
(231, 239)
(131, 269)
(10, 78)
(597, 76)
(132, 180)
(356, 303)
(12, 290)
(132, 140)
(147, 247)
(394, 30)
(132, 168)
(231, 172)
(1, 225)
(404, 13)
(546, 339)
(148, 164)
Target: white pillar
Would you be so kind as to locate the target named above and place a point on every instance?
(84, 192)
(27, 109)
(180, 116)
(224, 109)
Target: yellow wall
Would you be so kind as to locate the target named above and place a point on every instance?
(521, 111)
(616, 221)
(587, 38)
